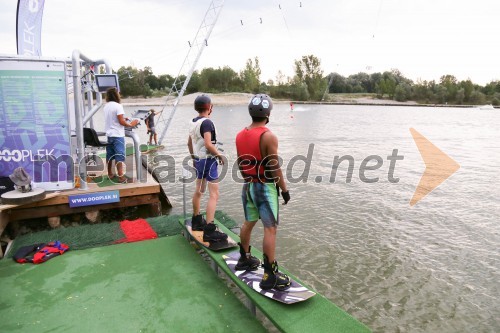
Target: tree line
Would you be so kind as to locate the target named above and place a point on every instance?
(309, 83)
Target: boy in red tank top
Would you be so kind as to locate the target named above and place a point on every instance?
(257, 149)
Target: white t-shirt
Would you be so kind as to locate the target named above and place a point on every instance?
(111, 112)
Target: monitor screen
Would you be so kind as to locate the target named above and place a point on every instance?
(106, 81)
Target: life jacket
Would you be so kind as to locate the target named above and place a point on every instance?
(39, 253)
(199, 149)
(252, 166)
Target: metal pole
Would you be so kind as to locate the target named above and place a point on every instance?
(184, 205)
(199, 43)
(76, 58)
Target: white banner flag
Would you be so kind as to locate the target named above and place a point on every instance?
(29, 27)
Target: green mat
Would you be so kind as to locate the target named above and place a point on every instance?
(129, 150)
(158, 285)
(92, 235)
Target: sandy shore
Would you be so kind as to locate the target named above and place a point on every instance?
(217, 99)
(244, 98)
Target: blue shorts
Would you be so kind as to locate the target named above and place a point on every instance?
(152, 130)
(206, 168)
(260, 200)
(116, 149)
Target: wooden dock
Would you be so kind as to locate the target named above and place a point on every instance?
(146, 193)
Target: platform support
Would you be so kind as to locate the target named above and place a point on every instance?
(250, 306)
(214, 266)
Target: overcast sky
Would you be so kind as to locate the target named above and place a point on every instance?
(424, 39)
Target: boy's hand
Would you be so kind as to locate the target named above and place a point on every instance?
(286, 196)
(220, 159)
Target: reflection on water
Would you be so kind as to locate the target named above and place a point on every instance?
(432, 267)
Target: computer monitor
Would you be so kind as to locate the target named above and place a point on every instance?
(141, 114)
(106, 81)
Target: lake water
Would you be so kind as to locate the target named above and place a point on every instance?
(433, 267)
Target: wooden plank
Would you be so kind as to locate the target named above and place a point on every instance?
(33, 204)
(127, 190)
(64, 209)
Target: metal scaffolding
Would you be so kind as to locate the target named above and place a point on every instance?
(196, 48)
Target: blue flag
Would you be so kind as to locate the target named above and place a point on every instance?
(29, 27)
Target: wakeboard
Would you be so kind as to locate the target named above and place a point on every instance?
(296, 293)
(214, 246)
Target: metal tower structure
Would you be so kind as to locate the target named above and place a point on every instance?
(196, 48)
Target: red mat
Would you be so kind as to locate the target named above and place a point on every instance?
(136, 230)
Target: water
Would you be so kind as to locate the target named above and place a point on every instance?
(434, 267)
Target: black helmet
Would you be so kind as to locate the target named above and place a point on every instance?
(260, 106)
(202, 102)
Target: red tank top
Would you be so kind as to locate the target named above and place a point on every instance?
(250, 161)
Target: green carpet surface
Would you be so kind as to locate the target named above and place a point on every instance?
(92, 235)
(159, 285)
(129, 149)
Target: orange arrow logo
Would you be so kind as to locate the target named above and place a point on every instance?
(438, 167)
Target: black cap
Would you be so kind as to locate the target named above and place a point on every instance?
(202, 102)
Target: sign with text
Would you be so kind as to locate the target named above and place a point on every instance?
(91, 199)
(34, 125)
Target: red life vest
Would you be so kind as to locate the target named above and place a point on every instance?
(39, 253)
(250, 162)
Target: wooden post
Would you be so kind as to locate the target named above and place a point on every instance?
(92, 215)
(4, 220)
(54, 221)
(155, 209)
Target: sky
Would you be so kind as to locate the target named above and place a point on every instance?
(423, 39)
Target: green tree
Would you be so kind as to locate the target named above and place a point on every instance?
(375, 79)
(496, 99)
(386, 86)
(468, 88)
(402, 92)
(251, 76)
(477, 97)
(219, 80)
(361, 80)
(153, 82)
(308, 70)
(338, 83)
(165, 82)
(441, 94)
(459, 99)
(421, 92)
(299, 91)
(491, 88)
(129, 84)
(450, 83)
(194, 84)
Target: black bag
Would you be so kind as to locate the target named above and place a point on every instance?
(6, 185)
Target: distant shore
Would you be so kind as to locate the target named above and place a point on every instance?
(243, 98)
(217, 99)
(234, 98)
